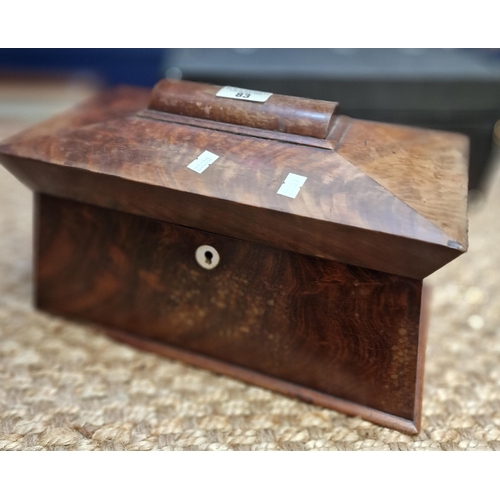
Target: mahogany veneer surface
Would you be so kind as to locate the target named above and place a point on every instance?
(340, 330)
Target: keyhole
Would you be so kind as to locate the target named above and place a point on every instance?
(207, 257)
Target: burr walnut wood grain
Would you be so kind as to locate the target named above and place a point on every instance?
(336, 330)
(105, 154)
(428, 171)
(373, 249)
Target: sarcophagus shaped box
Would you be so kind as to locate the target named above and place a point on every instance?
(262, 236)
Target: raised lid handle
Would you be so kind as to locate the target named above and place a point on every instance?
(292, 115)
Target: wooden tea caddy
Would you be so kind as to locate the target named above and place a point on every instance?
(261, 236)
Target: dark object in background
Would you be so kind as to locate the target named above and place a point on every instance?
(447, 89)
(292, 259)
(112, 66)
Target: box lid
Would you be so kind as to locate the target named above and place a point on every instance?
(279, 170)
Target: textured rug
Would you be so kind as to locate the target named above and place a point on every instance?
(66, 386)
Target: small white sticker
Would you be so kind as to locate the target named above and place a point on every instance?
(243, 94)
(202, 162)
(292, 185)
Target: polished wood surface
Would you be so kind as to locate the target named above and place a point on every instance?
(292, 115)
(372, 249)
(336, 330)
(425, 169)
(317, 296)
(107, 154)
(274, 384)
(330, 142)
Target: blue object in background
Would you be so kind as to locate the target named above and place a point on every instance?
(112, 66)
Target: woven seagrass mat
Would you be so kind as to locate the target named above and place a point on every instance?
(66, 386)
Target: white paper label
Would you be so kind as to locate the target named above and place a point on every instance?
(202, 162)
(292, 185)
(243, 94)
